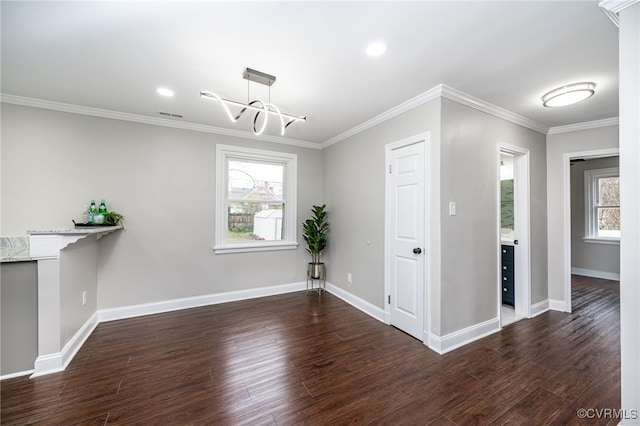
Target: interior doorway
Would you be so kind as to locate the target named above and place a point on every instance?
(574, 158)
(514, 260)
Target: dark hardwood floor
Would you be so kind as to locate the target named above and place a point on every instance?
(302, 358)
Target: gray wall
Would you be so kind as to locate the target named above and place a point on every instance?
(78, 273)
(19, 316)
(595, 257)
(463, 249)
(354, 190)
(557, 145)
(469, 176)
(162, 180)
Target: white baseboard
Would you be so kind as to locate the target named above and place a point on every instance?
(462, 337)
(361, 304)
(539, 308)
(596, 274)
(52, 363)
(132, 311)
(16, 374)
(557, 305)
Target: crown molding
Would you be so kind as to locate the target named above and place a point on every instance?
(613, 17)
(444, 91)
(480, 105)
(616, 6)
(154, 121)
(416, 101)
(615, 121)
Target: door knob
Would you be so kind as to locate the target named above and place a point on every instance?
(417, 250)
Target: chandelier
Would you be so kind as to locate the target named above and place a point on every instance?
(257, 105)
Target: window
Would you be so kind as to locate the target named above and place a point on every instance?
(602, 206)
(255, 200)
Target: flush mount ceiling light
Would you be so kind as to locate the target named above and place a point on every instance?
(164, 92)
(257, 105)
(376, 49)
(570, 94)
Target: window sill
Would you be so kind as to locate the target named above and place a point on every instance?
(610, 241)
(251, 247)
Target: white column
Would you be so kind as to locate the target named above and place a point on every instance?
(630, 212)
(629, 51)
(67, 292)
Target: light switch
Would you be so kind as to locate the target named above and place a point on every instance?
(452, 208)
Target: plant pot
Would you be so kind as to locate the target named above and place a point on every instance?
(316, 270)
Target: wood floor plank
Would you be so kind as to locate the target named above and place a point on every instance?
(304, 358)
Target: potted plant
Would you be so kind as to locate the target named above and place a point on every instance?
(315, 235)
(113, 219)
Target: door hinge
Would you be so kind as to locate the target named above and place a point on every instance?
(389, 299)
(389, 168)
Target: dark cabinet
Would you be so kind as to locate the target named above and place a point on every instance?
(508, 276)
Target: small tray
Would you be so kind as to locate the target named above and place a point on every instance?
(87, 225)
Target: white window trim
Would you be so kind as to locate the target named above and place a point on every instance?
(223, 154)
(590, 197)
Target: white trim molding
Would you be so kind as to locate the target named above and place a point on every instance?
(558, 305)
(480, 105)
(52, 363)
(16, 374)
(132, 311)
(358, 303)
(144, 119)
(616, 6)
(414, 102)
(588, 125)
(440, 91)
(462, 337)
(613, 276)
(539, 308)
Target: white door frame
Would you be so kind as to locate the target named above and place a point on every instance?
(566, 222)
(522, 221)
(419, 138)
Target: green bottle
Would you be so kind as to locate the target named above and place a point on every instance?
(102, 212)
(103, 207)
(93, 211)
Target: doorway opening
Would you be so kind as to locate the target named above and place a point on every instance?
(514, 260)
(585, 251)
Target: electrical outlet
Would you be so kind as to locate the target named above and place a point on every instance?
(349, 277)
(84, 298)
(452, 208)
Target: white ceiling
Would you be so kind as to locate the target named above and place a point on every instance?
(113, 55)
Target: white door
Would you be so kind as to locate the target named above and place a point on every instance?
(406, 194)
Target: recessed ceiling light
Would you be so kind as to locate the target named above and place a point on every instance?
(164, 92)
(376, 49)
(570, 94)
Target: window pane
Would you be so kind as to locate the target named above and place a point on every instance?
(609, 222)
(609, 191)
(255, 181)
(253, 221)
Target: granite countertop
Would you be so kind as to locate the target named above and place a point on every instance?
(17, 249)
(14, 249)
(76, 231)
